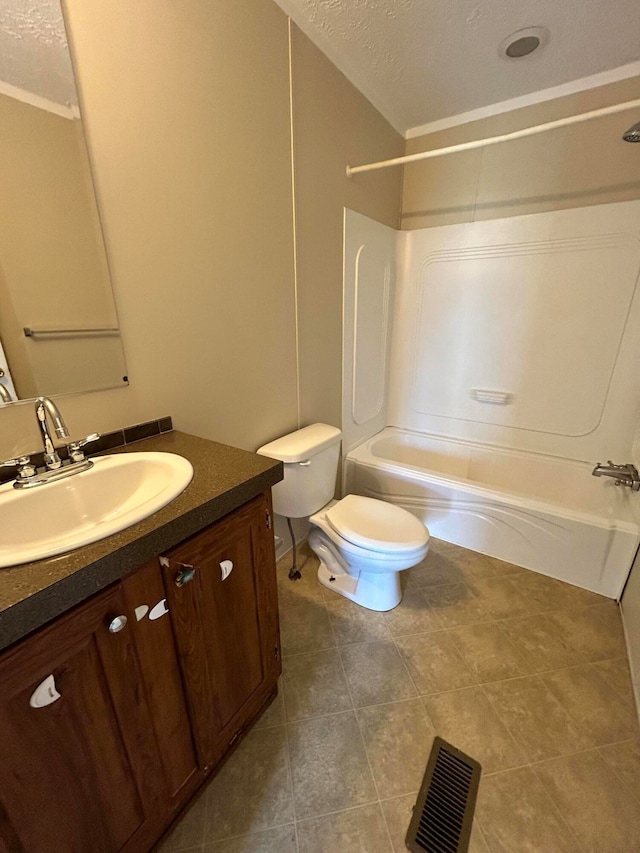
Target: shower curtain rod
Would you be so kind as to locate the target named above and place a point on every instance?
(493, 140)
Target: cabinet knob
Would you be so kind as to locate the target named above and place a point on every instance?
(186, 574)
(117, 624)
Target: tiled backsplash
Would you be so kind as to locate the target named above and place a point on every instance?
(107, 441)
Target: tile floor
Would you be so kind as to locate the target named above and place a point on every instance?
(524, 673)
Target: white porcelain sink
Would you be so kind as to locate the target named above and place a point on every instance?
(116, 492)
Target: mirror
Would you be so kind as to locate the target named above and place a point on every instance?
(59, 329)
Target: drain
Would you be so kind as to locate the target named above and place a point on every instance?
(443, 813)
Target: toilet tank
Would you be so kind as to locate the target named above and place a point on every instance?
(310, 458)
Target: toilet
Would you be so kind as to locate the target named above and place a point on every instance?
(363, 544)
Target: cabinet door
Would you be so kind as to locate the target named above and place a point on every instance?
(78, 770)
(151, 627)
(223, 604)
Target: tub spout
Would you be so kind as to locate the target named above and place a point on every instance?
(624, 475)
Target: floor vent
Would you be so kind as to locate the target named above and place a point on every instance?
(443, 813)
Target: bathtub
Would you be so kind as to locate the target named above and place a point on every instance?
(539, 512)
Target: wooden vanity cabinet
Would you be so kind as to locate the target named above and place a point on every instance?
(77, 773)
(222, 598)
(136, 713)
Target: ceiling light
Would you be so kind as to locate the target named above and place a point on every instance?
(523, 42)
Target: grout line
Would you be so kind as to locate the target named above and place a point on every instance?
(322, 716)
(340, 811)
(631, 789)
(554, 806)
(355, 713)
(624, 699)
(583, 751)
(400, 796)
(478, 826)
(290, 772)
(242, 835)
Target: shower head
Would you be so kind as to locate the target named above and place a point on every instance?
(633, 134)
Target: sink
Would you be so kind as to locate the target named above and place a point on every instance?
(115, 493)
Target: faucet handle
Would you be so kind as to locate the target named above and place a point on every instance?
(23, 463)
(74, 448)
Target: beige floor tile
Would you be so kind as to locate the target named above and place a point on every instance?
(590, 701)
(536, 719)
(517, 816)
(360, 830)
(601, 812)
(477, 844)
(470, 565)
(551, 594)
(329, 765)
(617, 673)
(624, 760)
(501, 599)
(466, 719)
(397, 814)
(437, 568)
(414, 615)
(609, 612)
(591, 631)
(501, 567)
(540, 642)
(314, 685)
(376, 673)
(398, 739)
(252, 791)
(281, 839)
(307, 588)
(274, 714)
(489, 653)
(163, 849)
(443, 547)
(434, 662)
(305, 627)
(352, 623)
(456, 604)
(188, 833)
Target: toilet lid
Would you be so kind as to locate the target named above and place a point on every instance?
(376, 525)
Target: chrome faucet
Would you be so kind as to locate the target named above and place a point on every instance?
(5, 394)
(624, 475)
(44, 407)
(27, 474)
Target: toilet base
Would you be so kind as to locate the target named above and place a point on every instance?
(379, 591)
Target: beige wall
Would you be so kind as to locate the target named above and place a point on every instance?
(186, 108)
(575, 166)
(187, 114)
(334, 126)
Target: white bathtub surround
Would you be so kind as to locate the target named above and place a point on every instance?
(369, 290)
(542, 309)
(536, 511)
(513, 370)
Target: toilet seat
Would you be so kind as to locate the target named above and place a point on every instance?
(376, 525)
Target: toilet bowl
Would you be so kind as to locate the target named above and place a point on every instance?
(362, 543)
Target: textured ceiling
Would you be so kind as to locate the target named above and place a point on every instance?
(420, 61)
(33, 50)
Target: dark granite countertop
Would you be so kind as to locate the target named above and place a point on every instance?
(224, 478)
